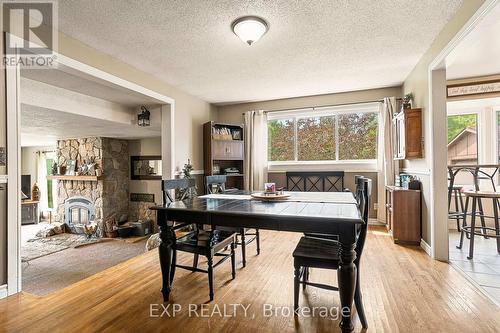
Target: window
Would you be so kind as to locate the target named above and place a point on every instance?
(346, 133)
(462, 139)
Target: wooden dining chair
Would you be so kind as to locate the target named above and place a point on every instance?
(217, 184)
(315, 252)
(211, 244)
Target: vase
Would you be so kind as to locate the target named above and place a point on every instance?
(35, 192)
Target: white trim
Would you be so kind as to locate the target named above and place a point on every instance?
(3, 179)
(426, 247)
(324, 111)
(438, 180)
(3, 291)
(12, 80)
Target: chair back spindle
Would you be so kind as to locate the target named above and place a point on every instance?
(182, 185)
(218, 180)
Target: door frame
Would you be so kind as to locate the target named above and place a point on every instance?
(13, 109)
(439, 246)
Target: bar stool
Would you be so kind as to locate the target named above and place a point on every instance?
(458, 213)
(471, 230)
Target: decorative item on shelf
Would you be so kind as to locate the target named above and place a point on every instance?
(88, 168)
(35, 192)
(231, 171)
(408, 100)
(216, 169)
(54, 168)
(70, 167)
(143, 118)
(221, 133)
(98, 171)
(236, 134)
(61, 170)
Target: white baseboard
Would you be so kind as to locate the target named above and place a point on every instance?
(3, 291)
(426, 247)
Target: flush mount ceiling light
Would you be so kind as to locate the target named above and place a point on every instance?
(250, 28)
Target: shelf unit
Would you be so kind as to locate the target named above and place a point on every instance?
(75, 178)
(223, 152)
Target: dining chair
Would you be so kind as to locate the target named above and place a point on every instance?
(211, 243)
(314, 252)
(217, 184)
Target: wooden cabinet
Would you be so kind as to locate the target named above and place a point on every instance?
(403, 214)
(227, 150)
(223, 150)
(407, 131)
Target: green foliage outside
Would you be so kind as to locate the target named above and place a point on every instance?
(458, 123)
(316, 137)
(358, 136)
(49, 162)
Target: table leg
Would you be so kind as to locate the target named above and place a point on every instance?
(346, 275)
(165, 250)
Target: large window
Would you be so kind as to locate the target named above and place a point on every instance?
(333, 134)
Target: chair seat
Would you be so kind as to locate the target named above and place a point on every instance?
(202, 242)
(314, 252)
(482, 194)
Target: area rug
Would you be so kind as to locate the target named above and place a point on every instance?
(39, 247)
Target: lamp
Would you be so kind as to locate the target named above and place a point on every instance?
(249, 28)
(143, 117)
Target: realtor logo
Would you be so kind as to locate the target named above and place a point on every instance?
(31, 38)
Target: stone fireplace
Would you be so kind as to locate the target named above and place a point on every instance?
(85, 200)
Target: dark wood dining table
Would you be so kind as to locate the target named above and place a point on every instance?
(305, 212)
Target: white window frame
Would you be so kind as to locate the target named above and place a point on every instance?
(355, 165)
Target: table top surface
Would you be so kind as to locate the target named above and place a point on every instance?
(338, 206)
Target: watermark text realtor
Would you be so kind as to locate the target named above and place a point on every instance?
(31, 33)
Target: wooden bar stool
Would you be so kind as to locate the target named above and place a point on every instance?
(458, 213)
(486, 231)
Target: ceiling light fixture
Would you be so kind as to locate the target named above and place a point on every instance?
(250, 28)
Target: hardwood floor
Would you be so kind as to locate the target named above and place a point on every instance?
(404, 291)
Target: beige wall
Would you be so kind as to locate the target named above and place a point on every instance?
(233, 113)
(146, 147)
(418, 83)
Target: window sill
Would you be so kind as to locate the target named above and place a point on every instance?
(347, 166)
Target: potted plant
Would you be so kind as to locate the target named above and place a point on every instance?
(408, 100)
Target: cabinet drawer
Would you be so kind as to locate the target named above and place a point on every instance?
(228, 150)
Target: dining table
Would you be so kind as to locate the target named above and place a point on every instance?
(333, 213)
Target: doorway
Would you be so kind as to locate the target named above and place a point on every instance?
(84, 129)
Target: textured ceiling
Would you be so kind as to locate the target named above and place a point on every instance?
(312, 47)
(479, 53)
(40, 126)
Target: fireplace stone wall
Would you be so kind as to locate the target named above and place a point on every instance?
(109, 194)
